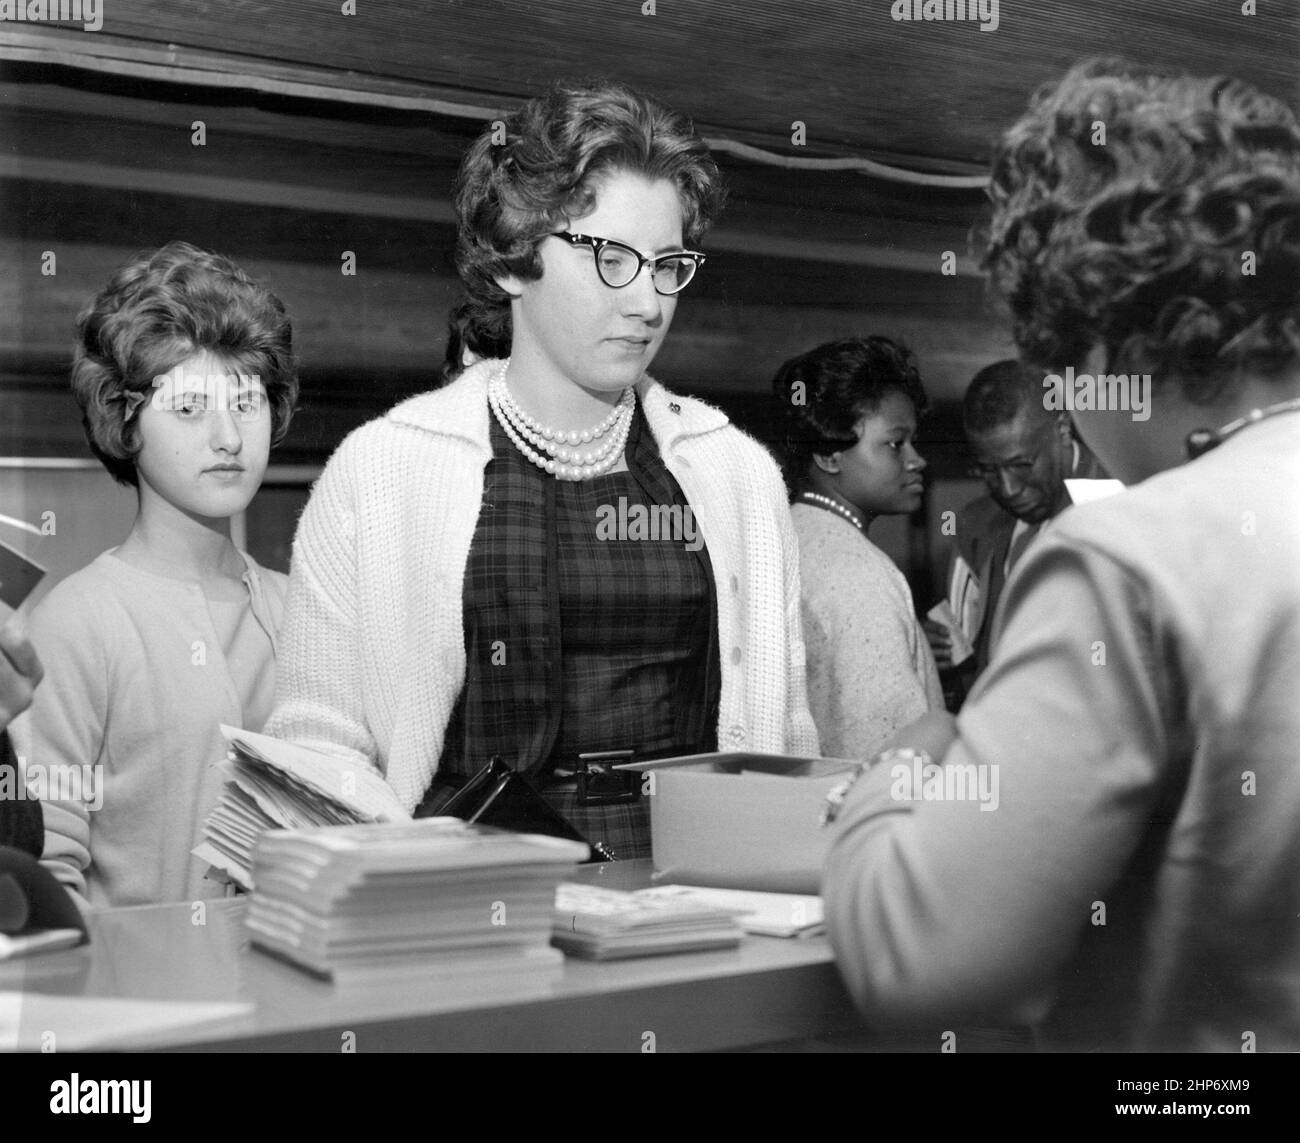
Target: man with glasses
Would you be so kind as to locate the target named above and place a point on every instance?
(1024, 453)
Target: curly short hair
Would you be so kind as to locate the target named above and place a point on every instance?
(820, 396)
(159, 309)
(1173, 240)
(523, 179)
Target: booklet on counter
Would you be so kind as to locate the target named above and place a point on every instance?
(766, 914)
(608, 924)
(273, 784)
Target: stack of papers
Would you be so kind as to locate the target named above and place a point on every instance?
(273, 784)
(424, 897)
(768, 914)
(606, 924)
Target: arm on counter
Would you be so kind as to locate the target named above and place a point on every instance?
(968, 905)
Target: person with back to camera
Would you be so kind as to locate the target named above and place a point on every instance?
(848, 411)
(185, 374)
(1140, 708)
(463, 586)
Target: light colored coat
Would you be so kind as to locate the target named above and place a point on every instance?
(372, 656)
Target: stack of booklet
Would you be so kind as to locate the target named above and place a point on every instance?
(767, 914)
(273, 784)
(606, 924)
(423, 897)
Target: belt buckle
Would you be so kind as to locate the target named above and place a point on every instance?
(599, 784)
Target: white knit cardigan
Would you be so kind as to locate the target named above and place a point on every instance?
(372, 655)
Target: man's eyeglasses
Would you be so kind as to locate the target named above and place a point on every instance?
(989, 473)
(618, 264)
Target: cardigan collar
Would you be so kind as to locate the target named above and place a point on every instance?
(461, 409)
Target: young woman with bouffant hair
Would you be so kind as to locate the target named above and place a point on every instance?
(847, 413)
(1135, 881)
(453, 595)
(185, 374)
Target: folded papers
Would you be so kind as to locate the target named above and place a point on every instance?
(423, 898)
(273, 784)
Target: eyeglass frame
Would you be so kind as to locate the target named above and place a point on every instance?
(1020, 468)
(596, 245)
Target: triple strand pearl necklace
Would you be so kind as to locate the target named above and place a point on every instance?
(835, 506)
(554, 449)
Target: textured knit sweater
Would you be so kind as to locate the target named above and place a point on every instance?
(137, 684)
(870, 670)
(372, 655)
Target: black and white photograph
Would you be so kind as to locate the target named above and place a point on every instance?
(761, 527)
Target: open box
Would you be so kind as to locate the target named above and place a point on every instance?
(740, 820)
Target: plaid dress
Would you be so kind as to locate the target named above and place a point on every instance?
(586, 629)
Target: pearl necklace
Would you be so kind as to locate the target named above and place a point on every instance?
(534, 439)
(820, 501)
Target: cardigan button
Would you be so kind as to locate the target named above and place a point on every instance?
(736, 734)
(735, 585)
(735, 654)
(674, 407)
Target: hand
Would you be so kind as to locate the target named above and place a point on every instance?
(20, 672)
(940, 643)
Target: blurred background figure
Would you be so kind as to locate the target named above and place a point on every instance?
(848, 412)
(1024, 453)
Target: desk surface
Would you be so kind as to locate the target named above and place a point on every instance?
(768, 990)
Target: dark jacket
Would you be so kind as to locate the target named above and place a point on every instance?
(22, 824)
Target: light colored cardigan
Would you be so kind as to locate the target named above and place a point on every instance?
(870, 669)
(136, 684)
(372, 655)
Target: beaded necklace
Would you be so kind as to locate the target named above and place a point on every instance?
(819, 501)
(556, 450)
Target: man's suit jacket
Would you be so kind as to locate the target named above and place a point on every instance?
(984, 531)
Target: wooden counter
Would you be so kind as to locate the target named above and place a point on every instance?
(768, 990)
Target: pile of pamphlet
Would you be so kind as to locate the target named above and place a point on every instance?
(607, 924)
(427, 897)
(273, 784)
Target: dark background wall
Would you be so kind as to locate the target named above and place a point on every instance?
(327, 133)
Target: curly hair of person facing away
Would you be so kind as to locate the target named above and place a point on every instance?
(1156, 215)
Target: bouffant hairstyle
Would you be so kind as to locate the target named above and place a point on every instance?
(820, 396)
(1157, 215)
(999, 393)
(538, 169)
(158, 310)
